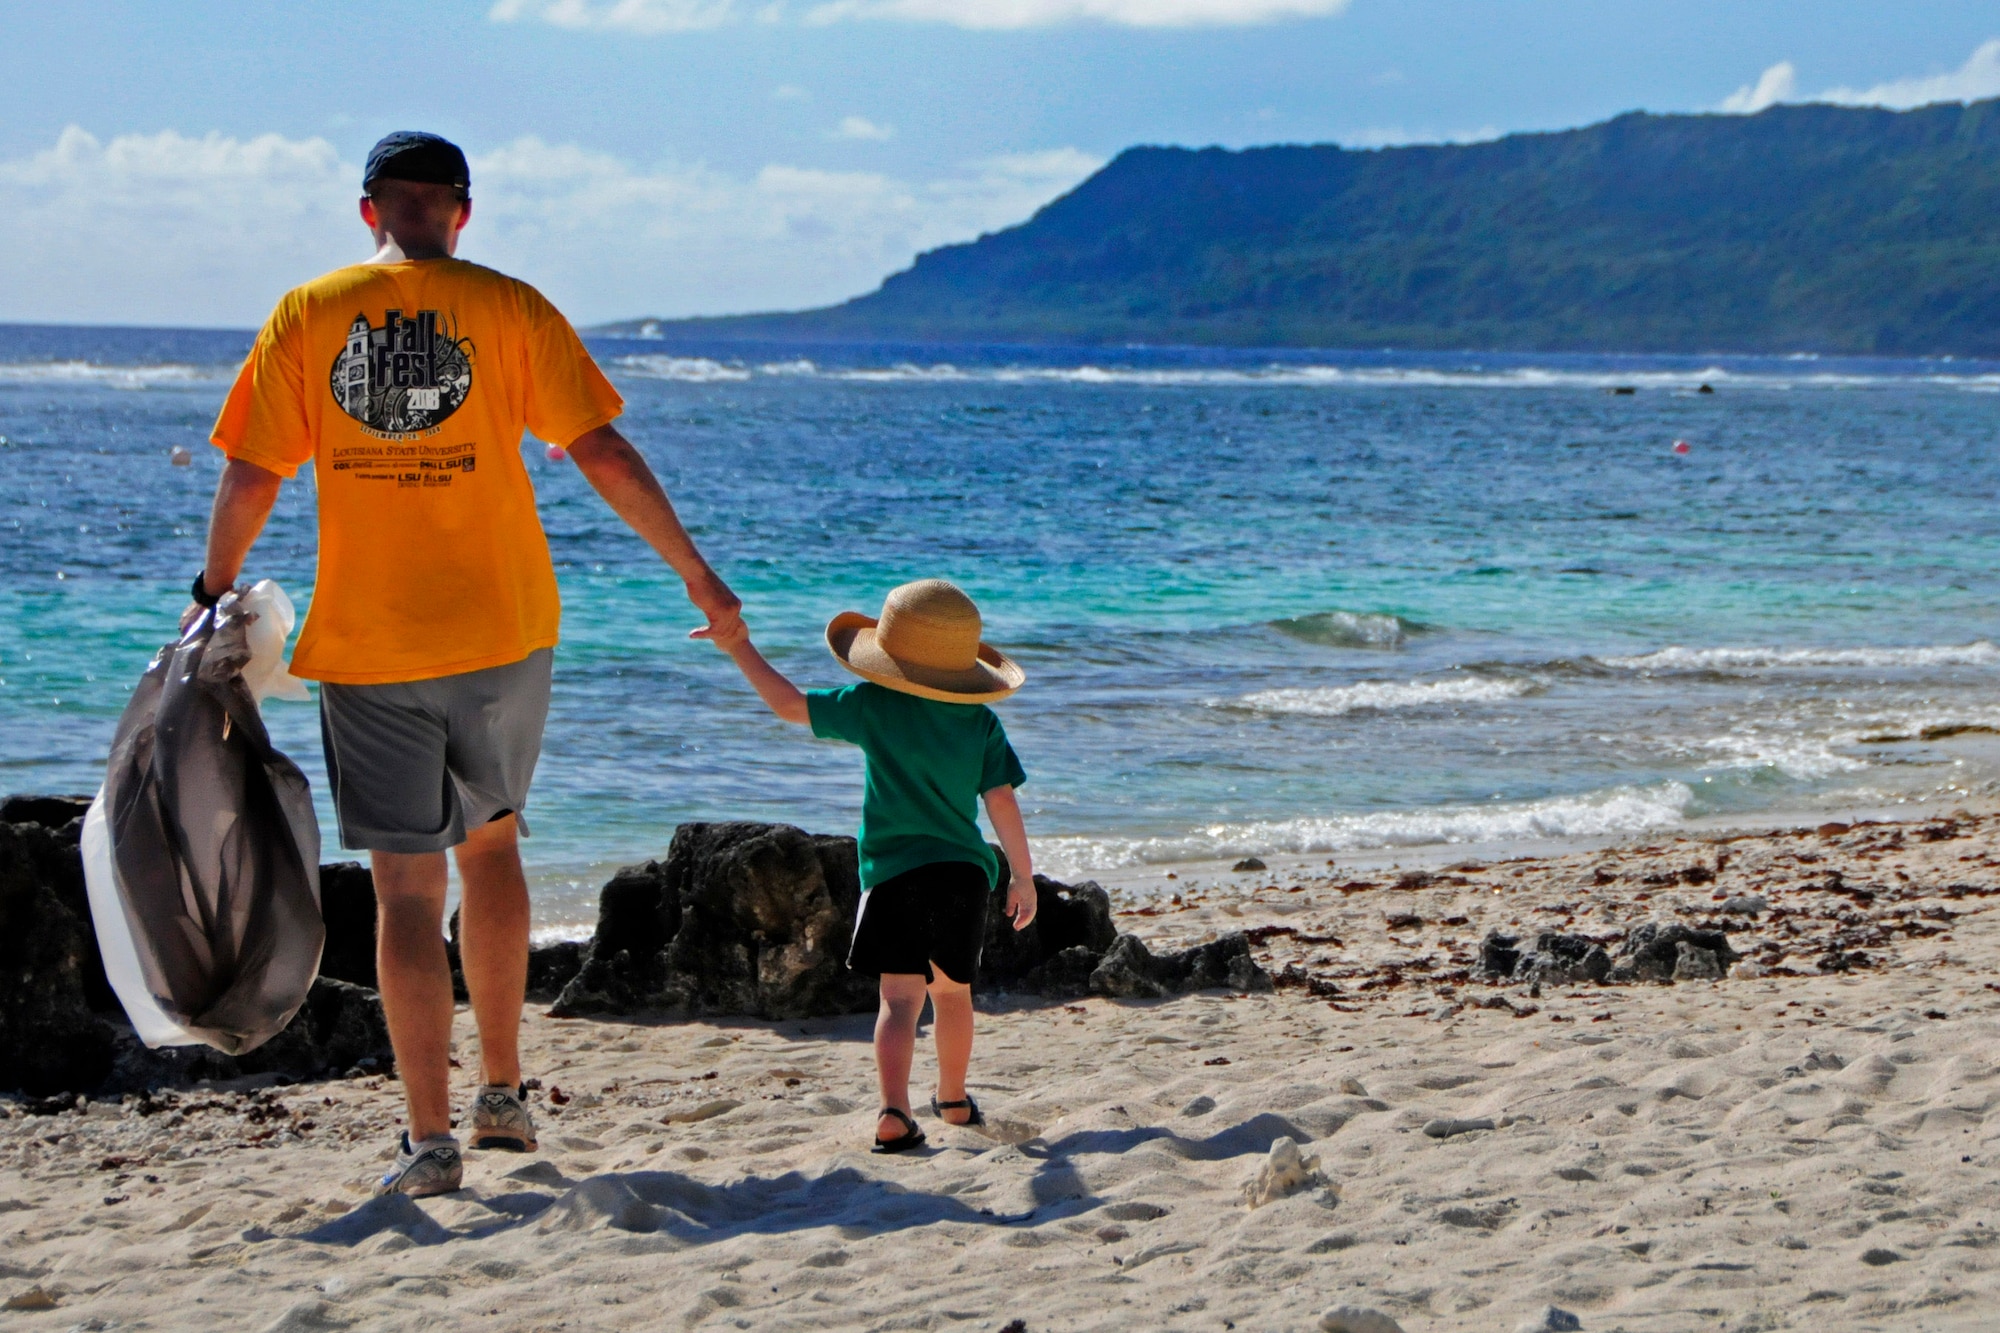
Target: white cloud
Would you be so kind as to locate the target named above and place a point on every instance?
(1006, 14)
(1395, 136)
(1779, 83)
(860, 127)
(790, 92)
(657, 16)
(1977, 79)
(168, 229)
(646, 16)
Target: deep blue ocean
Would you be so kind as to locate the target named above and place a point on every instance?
(1266, 601)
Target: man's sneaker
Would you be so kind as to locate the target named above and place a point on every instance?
(430, 1167)
(500, 1120)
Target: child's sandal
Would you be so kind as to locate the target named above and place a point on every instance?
(938, 1109)
(912, 1137)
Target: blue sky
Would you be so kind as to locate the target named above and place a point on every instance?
(185, 163)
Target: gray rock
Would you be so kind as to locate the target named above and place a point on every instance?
(1130, 971)
(741, 919)
(347, 905)
(1652, 951)
(52, 986)
(1877, 1257)
(1693, 964)
(1499, 954)
(1357, 1319)
(339, 1028)
(1556, 959)
(1551, 1319)
(1057, 952)
(1446, 1127)
(53, 813)
(1745, 904)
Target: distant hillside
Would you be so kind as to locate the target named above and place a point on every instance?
(1803, 228)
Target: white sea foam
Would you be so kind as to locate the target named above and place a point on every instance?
(1594, 814)
(684, 369)
(910, 372)
(1335, 700)
(112, 377)
(1348, 629)
(698, 369)
(1978, 653)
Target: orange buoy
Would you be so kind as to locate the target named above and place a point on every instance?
(557, 453)
(1680, 446)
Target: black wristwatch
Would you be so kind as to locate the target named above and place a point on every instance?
(200, 590)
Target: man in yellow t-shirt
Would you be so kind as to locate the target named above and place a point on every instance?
(407, 382)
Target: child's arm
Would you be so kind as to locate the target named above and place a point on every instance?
(779, 694)
(1004, 809)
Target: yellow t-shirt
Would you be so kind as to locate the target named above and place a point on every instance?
(407, 386)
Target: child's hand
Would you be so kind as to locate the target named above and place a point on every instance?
(728, 636)
(1021, 903)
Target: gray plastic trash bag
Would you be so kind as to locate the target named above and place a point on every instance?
(205, 833)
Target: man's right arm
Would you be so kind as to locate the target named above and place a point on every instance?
(618, 473)
(243, 501)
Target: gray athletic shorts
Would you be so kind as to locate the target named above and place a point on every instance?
(413, 765)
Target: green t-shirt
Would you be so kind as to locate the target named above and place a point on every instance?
(927, 763)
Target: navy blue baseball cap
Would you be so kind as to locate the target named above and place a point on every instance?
(412, 155)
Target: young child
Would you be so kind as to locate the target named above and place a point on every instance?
(932, 749)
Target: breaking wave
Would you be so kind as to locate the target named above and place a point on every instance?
(684, 369)
(1371, 695)
(1349, 629)
(1676, 659)
(1613, 811)
(113, 377)
(700, 369)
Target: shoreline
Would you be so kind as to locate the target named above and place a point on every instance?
(1794, 1146)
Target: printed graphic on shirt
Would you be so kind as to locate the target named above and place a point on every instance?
(406, 376)
(418, 464)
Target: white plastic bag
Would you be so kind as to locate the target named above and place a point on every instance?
(266, 673)
(114, 938)
(201, 852)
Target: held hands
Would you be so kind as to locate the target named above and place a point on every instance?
(724, 609)
(1021, 902)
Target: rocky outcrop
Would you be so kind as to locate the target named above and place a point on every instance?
(1129, 971)
(756, 918)
(1652, 951)
(339, 1031)
(1555, 958)
(1057, 952)
(61, 1028)
(740, 919)
(347, 905)
(52, 985)
(1670, 951)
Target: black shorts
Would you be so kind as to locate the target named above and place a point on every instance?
(933, 914)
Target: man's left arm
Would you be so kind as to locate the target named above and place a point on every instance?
(618, 473)
(243, 502)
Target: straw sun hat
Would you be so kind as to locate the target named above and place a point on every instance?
(926, 643)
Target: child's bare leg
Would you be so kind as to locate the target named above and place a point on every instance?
(895, 1045)
(951, 1005)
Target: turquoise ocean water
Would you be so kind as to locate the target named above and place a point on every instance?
(1267, 602)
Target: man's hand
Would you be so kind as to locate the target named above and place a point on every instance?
(724, 609)
(728, 635)
(1022, 901)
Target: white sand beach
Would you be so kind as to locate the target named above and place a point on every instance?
(1785, 1148)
